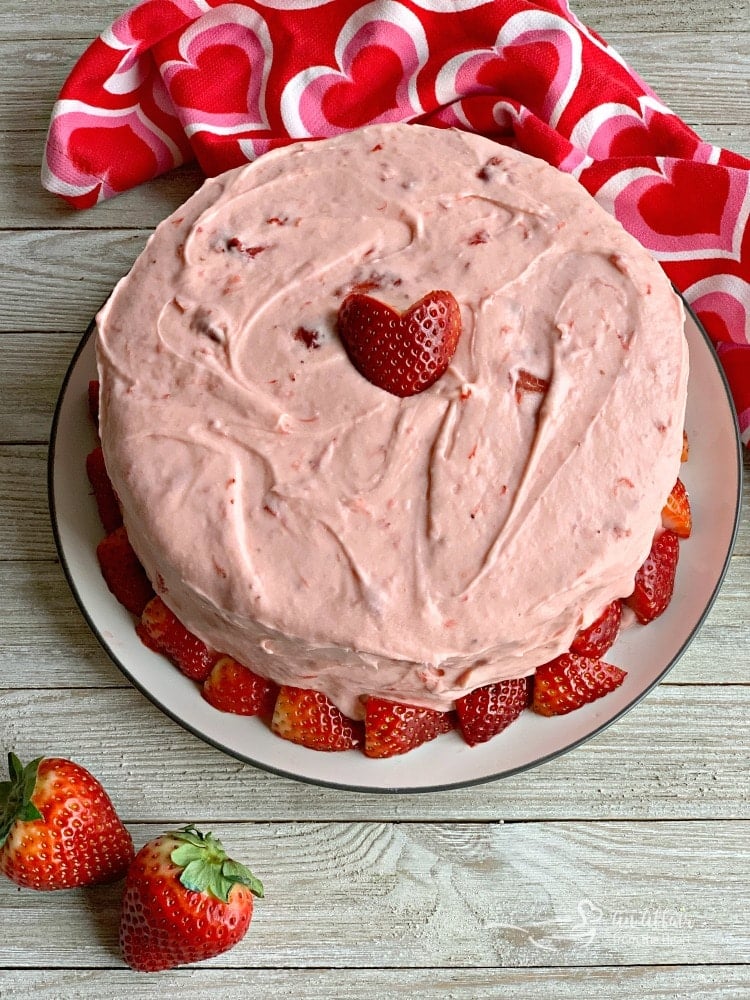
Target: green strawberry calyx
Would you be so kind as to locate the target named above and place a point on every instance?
(15, 795)
(206, 867)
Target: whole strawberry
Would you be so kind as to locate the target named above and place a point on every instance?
(184, 901)
(58, 827)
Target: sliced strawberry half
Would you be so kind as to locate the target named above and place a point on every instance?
(161, 630)
(676, 515)
(570, 681)
(309, 718)
(596, 638)
(403, 353)
(106, 499)
(123, 572)
(486, 711)
(654, 581)
(393, 728)
(233, 687)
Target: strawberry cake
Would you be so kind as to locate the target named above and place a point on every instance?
(347, 533)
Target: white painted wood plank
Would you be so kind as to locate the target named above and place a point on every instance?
(45, 639)
(682, 752)
(56, 280)
(31, 374)
(84, 19)
(25, 528)
(719, 982)
(25, 204)
(699, 76)
(466, 894)
(46, 642)
(38, 19)
(665, 891)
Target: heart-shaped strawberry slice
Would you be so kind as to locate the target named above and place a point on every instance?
(403, 353)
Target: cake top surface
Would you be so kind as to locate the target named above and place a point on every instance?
(296, 513)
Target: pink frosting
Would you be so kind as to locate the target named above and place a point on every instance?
(331, 535)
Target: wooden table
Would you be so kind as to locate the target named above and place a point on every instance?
(642, 834)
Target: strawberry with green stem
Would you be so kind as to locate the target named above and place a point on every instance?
(185, 901)
(58, 827)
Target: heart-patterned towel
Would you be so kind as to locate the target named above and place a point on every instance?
(222, 82)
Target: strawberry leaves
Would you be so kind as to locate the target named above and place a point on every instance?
(206, 867)
(403, 353)
(184, 901)
(15, 795)
(58, 827)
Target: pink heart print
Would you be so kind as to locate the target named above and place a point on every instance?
(223, 82)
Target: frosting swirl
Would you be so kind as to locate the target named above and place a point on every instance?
(331, 535)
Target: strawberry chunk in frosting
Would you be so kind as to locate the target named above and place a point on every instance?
(331, 535)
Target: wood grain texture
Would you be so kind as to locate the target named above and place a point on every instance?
(719, 982)
(45, 639)
(28, 392)
(682, 752)
(25, 528)
(25, 204)
(58, 279)
(489, 894)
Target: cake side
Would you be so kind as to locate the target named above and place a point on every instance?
(330, 535)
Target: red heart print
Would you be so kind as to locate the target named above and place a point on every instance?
(376, 73)
(116, 155)
(522, 72)
(218, 81)
(691, 202)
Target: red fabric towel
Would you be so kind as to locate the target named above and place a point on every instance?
(222, 82)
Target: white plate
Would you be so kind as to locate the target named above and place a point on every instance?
(712, 476)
